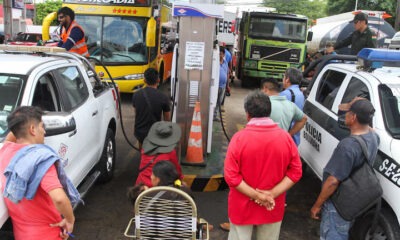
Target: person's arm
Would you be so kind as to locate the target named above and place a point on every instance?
(328, 188)
(280, 188)
(167, 116)
(75, 35)
(345, 42)
(298, 125)
(64, 207)
(264, 198)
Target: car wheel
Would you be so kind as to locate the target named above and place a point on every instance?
(386, 229)
(107, 159)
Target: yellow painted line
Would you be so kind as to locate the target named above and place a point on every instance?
(188, 179)
(213, 183)
(240, 126)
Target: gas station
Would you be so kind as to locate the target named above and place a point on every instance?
(194, 89)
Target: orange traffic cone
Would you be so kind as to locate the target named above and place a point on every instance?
(194, 153)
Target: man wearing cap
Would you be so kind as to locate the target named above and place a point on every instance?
(347, 156)
(360, 38)
(159, 145)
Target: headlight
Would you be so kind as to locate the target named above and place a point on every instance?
(250, 64)
(133, 77)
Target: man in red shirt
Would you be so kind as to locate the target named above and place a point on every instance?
(48, 215)
(262, 163)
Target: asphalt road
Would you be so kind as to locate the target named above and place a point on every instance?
(107, 211)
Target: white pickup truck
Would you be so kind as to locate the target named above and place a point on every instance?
(80, 111)
(376, 76)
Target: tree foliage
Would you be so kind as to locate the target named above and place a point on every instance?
(44, 8)
(341, 6)
(312, 9)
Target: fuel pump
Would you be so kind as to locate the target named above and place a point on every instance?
(195, 70)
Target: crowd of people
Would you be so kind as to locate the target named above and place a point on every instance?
(262, 161)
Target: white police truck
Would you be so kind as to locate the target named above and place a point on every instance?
(375, 76)
(80, 110)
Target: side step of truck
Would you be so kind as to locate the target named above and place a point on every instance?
(87, 184)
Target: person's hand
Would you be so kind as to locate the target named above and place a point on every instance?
(265, 198)
(66, 228)
(315, 212)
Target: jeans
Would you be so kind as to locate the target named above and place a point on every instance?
(333, 226)
(221, 93)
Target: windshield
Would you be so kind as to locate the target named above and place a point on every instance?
(390, 101)
(120, 40)
(287, 30)
(10, 93)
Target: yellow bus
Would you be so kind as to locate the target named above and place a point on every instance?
(122, 35)
(167, 38)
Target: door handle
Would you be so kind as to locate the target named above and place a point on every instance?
(95, 113)
(73, 133)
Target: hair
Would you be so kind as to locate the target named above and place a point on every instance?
(257, 104)
(329, 44)
(295, 76)
(18, 121)
(150, 76)
(222, 49)
(166, 172)
(271, 84)
(67, 12)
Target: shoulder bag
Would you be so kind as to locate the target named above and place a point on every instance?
(360, 191)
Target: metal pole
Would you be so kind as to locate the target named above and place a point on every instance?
(7, 20)
(355, 8)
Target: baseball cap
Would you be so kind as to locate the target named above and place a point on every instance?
(363, 110)
(360, 17)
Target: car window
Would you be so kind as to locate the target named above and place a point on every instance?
(390, 102)
(11, 87)
(329, 87)
(356, 88)
(73, 84)
(45, 94)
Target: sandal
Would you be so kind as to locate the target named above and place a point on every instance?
(225, 226)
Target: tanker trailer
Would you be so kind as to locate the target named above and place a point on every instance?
(337, 27)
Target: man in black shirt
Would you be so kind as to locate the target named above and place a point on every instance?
(149, 104)
(360, 38)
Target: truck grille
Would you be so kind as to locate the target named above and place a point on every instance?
(273, 67)
(291, 55)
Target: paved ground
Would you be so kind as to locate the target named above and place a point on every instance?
(107, 210)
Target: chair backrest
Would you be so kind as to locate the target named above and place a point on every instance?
(165, 213)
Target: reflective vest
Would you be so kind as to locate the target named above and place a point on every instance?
(80, 46)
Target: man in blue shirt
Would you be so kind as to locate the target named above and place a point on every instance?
(292, 92)
(223, 78)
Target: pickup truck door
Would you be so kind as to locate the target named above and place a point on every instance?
(321, 107)
(64, 89)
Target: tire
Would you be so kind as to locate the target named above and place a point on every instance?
(106, 164)
(386, 229)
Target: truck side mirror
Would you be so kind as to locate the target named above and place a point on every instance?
(151, 33)
(58, 123)
(309, 36)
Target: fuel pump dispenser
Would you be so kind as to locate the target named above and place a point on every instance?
(195, 70)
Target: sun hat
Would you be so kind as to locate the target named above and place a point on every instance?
(162, 138)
